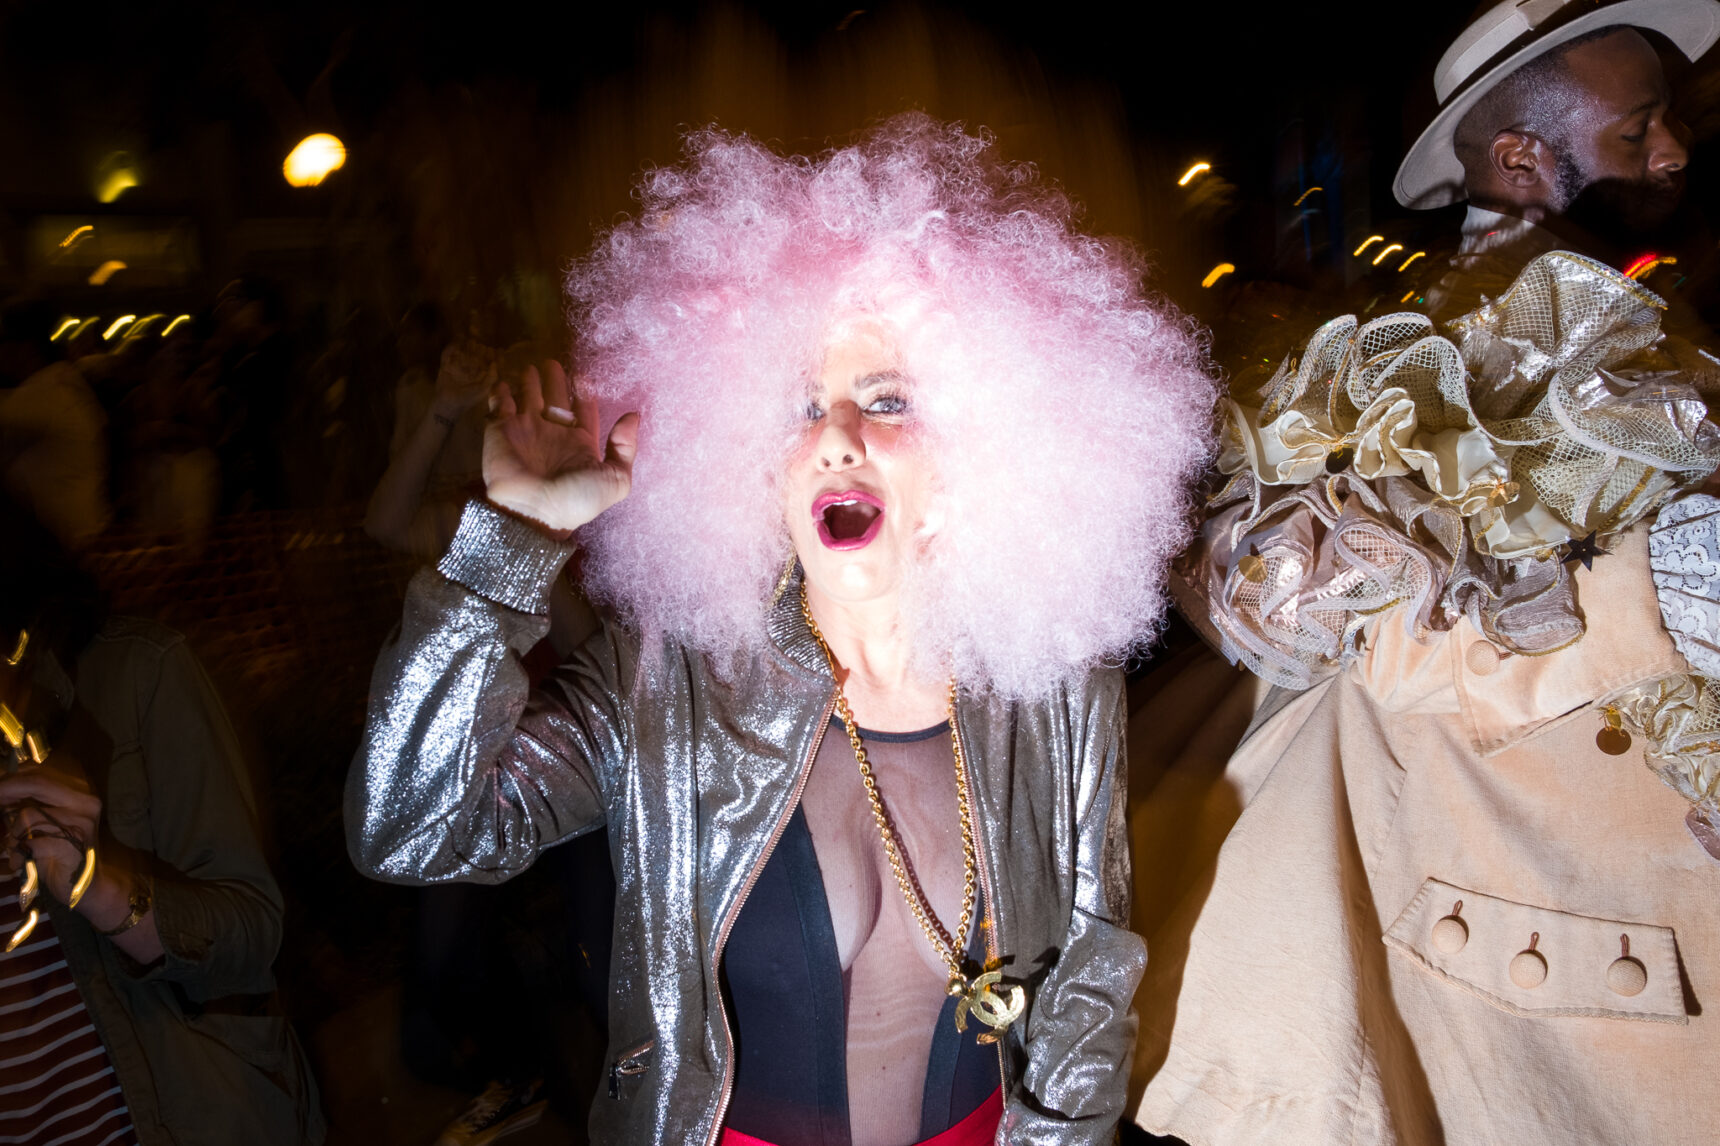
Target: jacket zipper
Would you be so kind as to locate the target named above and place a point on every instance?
(991, 945)
(734, 912)
(628, 1063)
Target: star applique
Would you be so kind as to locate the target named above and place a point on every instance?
(1585, 551)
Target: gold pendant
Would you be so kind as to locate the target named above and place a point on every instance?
(996, 1010)
(1613, 741)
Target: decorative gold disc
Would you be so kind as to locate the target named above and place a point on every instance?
(1613, 741)
(1252, 567)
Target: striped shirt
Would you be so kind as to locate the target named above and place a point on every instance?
(57, 1087)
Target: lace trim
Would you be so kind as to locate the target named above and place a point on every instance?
(1684, 555)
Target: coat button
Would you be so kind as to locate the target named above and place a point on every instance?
(1482, 658)
(1529, 967)
(1626, 975)
(1450, 933)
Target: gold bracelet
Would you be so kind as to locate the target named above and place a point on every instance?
(141, 900)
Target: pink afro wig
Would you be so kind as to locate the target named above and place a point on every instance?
(1067, 412)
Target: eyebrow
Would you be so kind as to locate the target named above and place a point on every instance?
(879, 378)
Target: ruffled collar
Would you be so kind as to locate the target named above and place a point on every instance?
(1394, 467)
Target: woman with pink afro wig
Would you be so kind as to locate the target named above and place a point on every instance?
(1067, 411)
(905, 459)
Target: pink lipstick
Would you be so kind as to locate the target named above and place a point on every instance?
(848, 519)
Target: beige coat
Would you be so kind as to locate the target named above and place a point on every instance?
(1314, 1005)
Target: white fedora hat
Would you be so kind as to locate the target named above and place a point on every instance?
(1506, 37)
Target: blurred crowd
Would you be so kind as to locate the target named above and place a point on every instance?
(267, 488)
(157, 431)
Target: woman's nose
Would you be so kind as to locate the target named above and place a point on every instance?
(840, 445)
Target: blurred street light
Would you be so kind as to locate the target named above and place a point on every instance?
(1188, 176)
(1217, 273)
(174, 325)
(106, 271)
(314, 159)
(1305, 194)
(1366, 243)
(1407, 295)
(1384, 251)
(115, 185)
(65, 325)
(119, 324)
(1410, 260)
(116, 175)
(1642, 266)
(80, 233)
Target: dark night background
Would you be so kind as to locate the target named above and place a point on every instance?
(487, 143)
(499, 135)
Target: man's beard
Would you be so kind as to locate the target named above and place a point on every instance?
(1622, 214)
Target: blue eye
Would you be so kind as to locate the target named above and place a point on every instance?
(888, 404)
(813, 412)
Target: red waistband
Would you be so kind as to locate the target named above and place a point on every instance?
(977, 1129)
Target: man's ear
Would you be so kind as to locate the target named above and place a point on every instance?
(1524, 165)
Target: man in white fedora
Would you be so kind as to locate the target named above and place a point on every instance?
(1472, 891)
(1555, 124)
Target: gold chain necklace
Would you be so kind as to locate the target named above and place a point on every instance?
(975, 995)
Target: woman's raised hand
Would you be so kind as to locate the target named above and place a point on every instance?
(467, 374)
(542, 457)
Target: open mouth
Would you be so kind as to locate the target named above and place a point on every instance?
(849, 519)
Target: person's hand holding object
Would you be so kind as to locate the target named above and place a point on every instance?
(50, 817)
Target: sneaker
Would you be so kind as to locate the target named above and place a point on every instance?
(503, 1108)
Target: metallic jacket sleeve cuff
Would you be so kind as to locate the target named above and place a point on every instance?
(1684, 553)
(503, 559)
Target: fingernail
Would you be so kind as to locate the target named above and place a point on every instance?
(557, 414)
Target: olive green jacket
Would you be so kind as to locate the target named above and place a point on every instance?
(201, 1054)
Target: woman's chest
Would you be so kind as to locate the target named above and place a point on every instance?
(889, 844)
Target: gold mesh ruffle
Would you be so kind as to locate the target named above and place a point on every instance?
(1679, 717)
(1387, 467)
(1598, 435)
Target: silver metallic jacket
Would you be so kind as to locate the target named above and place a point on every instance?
(465, 774)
